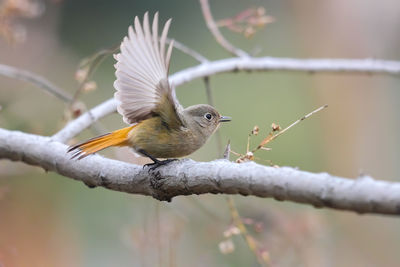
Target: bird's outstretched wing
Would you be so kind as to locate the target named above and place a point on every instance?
(143, 90)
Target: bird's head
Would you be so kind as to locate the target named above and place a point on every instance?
(204, 118)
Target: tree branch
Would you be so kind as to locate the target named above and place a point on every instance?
(213, 27)
(35, 79)
(363, 66)
(187, 50)
(186, 177)
(369, 66)
(76, 126)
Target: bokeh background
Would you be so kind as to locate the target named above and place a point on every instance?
(50, 220)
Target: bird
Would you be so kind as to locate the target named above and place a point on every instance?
(160, 128)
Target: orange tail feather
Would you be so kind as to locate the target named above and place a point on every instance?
(116, 138)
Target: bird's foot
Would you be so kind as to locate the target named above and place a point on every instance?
(158, 163)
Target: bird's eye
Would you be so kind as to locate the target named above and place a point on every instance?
(208, 116)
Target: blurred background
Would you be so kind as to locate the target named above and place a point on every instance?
(50, 220)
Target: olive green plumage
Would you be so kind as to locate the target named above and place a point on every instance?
(161, 140)
(160, 126)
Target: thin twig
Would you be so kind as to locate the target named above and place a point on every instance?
(272, 137)
(251, 242)
(35, 79)
(227, 152)
(92, 63)
(237, 220)
(188, 51)
(210, 98)
(42, 83)
(213, 27)
(210, 101)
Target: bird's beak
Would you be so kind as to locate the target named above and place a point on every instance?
(224, 119)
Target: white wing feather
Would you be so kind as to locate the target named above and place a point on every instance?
(141, 66)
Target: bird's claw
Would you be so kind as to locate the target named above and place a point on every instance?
(155, 165)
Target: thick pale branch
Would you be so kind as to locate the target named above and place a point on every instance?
(76, 126)
(363, 66)
(186, 177)
(241, 64)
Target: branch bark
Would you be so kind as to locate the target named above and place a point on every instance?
(186, 177)
(76, 126)
(363, 66)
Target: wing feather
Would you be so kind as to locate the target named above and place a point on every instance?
(142, 67)
(163, 39)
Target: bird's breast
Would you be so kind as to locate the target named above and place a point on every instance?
(159, 140)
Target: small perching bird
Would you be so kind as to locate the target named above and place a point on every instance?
(160, 126)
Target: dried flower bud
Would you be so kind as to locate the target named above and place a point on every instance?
(89, 86)
(264, 20)
(239, 160)
(226, 247)
(260, 11)
(77, 109)
(233, 230)
(275, 127)
(255, 130)
(23, 8)
(249, 32)
(250, 155)
(247, 21)
(242, 159)
(81, 74)
(10, 11)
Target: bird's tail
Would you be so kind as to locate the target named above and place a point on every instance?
(116, 138)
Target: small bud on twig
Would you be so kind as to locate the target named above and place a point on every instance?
(226, 247)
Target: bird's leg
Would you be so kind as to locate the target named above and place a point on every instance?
(156, 163)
